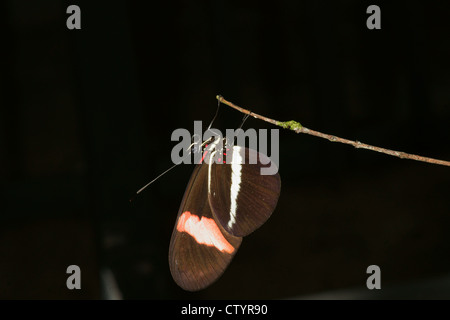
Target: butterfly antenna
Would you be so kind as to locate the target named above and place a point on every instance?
(242, 123)
(159, 176)
(215, 116)
(189, 150)
(244, 119)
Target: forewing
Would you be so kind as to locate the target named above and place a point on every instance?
(200, 249)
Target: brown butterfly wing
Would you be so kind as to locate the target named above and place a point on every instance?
(200, 249)
(240, 197)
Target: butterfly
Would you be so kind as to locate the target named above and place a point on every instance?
(223, 202)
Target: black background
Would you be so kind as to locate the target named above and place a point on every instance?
(86, 118)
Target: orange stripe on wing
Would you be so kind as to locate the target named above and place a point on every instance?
(204, 231)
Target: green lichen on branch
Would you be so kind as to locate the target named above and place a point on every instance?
(292, 125)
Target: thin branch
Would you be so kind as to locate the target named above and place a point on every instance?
(298, 128)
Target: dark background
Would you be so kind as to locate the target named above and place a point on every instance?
(86, 118)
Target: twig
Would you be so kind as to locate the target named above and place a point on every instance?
(298, 128)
